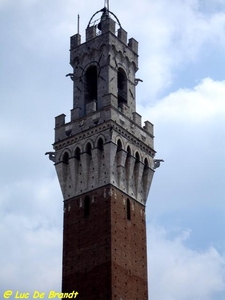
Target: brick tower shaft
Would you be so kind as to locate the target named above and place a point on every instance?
(109, 246)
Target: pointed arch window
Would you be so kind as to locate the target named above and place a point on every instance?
(137, 156)
(65, 158)
(119, 146)
(91, 83)
(119, 153)
(100, 144)
(128, 151)
(146, 164)
(122, 87)
(127, 159)
(88, 149)
(77, 153)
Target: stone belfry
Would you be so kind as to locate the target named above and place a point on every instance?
(104, 160)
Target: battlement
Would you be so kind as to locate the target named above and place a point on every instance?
(64, 130)
(107, 26)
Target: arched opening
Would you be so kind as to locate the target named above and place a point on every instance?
(146, 178)
(65, 158)
(137, 156)
(88, 149)
(128, 151)
(119, 153)
(122, 87)
(91, 84)
(119, 146)
(86, 206)
(128, 166)
(146, 163)
(100, 144)
(128, 210)
(77, 153)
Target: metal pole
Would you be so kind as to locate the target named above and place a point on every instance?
(78, 24)
(107, 4)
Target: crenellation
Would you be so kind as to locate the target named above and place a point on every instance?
(107, 26)
(137, 118)
(75, 113)
(60, 120)
(122, 35)
(133, 44)
(107, 117)
(75, 41)
(90, 33)
(149, 128)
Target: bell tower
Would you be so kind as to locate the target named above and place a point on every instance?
(104, 161)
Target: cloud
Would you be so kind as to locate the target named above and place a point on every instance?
(187, 189)
(177, 33)
(31, 235)
(197, 105)
(177, 272)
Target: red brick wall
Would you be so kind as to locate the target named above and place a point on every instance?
(129, 261)
(104, 254)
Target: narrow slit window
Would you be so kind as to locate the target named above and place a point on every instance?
(128, 210)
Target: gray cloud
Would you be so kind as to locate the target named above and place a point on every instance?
(177, 272)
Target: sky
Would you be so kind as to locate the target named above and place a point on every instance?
(182, 65)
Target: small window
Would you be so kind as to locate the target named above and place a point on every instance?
(128, 210)
(86, 207)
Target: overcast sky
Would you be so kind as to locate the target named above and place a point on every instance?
(182, 65)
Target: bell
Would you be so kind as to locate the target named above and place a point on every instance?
(104, 17)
